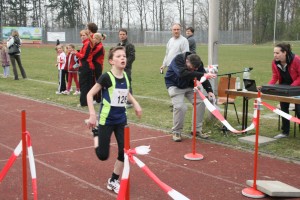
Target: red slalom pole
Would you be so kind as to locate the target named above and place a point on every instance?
(127, 147)
(194, 155)
(24, 153)
(252, 192)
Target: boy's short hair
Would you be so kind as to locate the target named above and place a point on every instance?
(113, 50)
(123, 30)
(92, 27)
(195, 60)
(191, 29)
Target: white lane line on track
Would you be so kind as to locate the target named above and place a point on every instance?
(114, 145)
(81, 148)
(77, 178)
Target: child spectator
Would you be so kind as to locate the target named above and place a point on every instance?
(60, 63)
(72, 69)
(115, 89)
(5, 59)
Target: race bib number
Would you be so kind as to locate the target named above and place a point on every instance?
(119, 97)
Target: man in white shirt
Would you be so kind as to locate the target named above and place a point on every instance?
(176, 45)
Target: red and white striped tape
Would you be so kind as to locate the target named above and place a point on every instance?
(170, 191)
(219, 116)
(32, 165)
(13, 158)
(280, 112)
(217, 113)
(142, 150)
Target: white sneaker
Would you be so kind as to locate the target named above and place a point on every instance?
(281, 135)
(115, 186)
(57, 92)
(176, 137)
(76, 93)
(66, 92)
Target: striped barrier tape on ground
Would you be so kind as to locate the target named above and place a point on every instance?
(217, 113)
(32, 165)
(280, 112)
(142, 150)
(170, 191)
(11, 160)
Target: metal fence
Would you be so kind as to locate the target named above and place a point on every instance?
(154, 37)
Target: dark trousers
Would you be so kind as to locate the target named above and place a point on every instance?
(285, 122)
(128, 72)
(13, 59)
(104, 135)
(97, 74)
(85, 83)
(63, 76)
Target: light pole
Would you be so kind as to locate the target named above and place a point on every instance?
(275, 18)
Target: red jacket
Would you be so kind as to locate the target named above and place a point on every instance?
(294, 70)
(97, 58)
(85, 54)
(70, 62)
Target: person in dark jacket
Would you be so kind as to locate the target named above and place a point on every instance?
(13, 44)
(179, 82)
(130, 55)
(190, 37)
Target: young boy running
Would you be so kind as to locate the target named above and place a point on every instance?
(112, 117)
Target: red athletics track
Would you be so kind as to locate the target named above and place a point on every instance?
(67, 167)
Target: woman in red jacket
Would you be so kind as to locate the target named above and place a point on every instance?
(85, 70)
(285, 71)
(97, 60)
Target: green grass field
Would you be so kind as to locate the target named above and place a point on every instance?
(149, 89)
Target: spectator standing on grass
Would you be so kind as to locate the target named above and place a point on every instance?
(85, 71)
(112, 117)
(4, 59)
(190, 37)
(179, 82)
(13, 44)
(72, 68)
(60, 63)
(97, 60)
(130, 55)
(176, 45)
(285, 71)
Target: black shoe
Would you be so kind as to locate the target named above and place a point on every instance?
(16, 79)
(95, 131)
